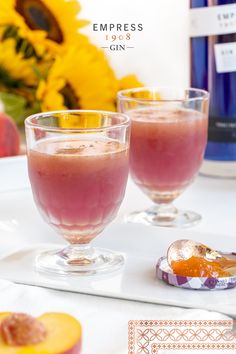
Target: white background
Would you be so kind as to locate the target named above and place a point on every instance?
(161, 53)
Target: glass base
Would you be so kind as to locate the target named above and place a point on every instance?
(166, 216)
(71, 261)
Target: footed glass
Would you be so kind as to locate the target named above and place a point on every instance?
(168, 140)
(78, 169)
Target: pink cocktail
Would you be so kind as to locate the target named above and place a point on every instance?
(78, 185)
(168, 140)
(166, 151)
(78, 178)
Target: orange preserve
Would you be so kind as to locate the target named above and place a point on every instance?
(200, 267)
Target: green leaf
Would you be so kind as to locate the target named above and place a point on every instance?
(14, 106)
(17, 107)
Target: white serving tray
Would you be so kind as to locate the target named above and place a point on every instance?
(23, 234)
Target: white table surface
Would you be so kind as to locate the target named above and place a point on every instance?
(105, 320)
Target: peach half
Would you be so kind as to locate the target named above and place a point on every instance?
(9, 136)
(62, 335)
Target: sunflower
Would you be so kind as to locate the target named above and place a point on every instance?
(46, 24)
(80, 79)
(15, 71)
(128, 82)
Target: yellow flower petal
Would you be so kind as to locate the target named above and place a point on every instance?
(128, 82)
(54, 28)
(88, 78)
(15, 65)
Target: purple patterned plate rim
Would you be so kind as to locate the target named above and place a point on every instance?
(165, 274)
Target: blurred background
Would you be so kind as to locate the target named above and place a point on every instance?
(70, 54)
(161, 53)
(54, 54)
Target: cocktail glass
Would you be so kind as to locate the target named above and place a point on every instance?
(168, 140)
(78, 168)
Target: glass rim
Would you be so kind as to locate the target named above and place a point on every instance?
(28, 121)
(122, 94)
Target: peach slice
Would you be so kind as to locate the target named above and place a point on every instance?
(63, 336)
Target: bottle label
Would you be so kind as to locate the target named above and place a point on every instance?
(222, 130)
(213, 20)
(225, 56)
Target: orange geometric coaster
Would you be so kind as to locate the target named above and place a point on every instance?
(149, 336)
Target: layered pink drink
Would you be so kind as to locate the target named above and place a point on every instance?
(167, 148)
(78, 185)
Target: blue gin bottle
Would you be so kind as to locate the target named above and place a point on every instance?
(213, 67)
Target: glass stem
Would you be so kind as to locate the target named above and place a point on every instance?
(165, 212)
(79, 254)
